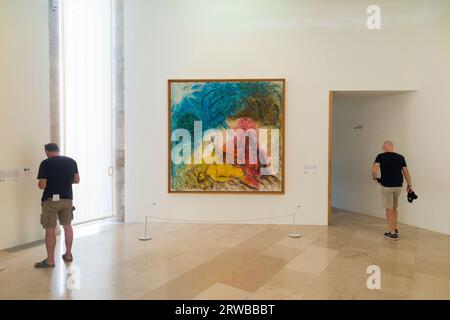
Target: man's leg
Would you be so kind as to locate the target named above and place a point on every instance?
(68, 238)
(390, 219)
(388, 203)
(65, 219)
(48, 222)
(397, 193)
(50, 244)
(395, 213)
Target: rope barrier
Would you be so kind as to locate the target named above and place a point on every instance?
(219, 221)
(293, 234)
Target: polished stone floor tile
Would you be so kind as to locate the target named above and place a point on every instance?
(254, 273)
(430, 287)
(230, 261)
(331, 242)
(170, 291)
(271, 292)
(313, 260)
(219, 291)
(282, 252)
(293, 280)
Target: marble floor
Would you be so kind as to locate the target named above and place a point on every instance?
(231, 261)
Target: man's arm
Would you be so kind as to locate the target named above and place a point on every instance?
(42, 176)
(76, 175)
(42, 184)
(407, 177)
(76, 178)
(375, 168)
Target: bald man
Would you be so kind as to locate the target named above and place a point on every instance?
(393, 168)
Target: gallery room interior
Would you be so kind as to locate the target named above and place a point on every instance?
(225, 149)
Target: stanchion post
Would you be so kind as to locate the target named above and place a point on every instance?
(146, 237)
(294, 233)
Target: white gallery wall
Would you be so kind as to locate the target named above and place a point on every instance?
(24, 116)
(316, 46)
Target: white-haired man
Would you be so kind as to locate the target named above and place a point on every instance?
(393, 169)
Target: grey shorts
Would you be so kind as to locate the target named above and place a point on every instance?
(390, 196)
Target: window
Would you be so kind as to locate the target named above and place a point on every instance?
(86, 92)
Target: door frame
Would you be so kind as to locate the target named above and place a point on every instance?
(330, 152)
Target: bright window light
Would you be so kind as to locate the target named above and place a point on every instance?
(86, 73)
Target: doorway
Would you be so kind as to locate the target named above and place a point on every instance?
(359, 122)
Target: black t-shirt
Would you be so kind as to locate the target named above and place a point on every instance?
(59, 173)
(391, 165)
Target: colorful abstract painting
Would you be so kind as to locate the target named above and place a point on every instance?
(226, 135)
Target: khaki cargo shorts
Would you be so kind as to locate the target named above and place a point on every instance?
(52, 210)
(390, 196)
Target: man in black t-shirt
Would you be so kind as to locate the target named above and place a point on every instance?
(56, 176)
(393, 168)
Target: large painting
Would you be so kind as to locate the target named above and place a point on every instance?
(226, 136)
